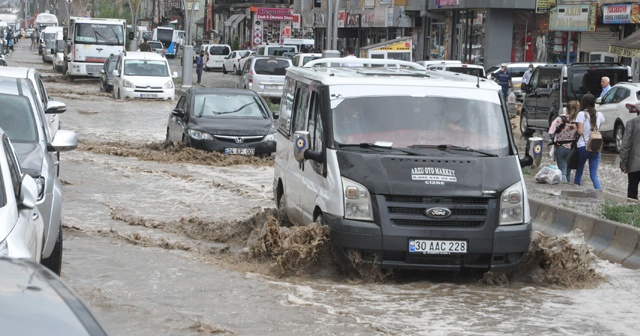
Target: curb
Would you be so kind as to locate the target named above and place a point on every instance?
(610, 240)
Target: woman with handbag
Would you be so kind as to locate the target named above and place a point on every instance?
(564, 131)
(589, 139)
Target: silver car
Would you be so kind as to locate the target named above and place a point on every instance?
(21, 225)
(23, 119)
(265, 75)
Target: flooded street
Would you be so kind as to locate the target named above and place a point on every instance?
(163, 241)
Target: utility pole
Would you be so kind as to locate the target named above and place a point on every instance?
(334, 45)
(187, 51)
(329, 33)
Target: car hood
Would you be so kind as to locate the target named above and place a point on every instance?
(148, 80)
(235, 127)
(30, 156)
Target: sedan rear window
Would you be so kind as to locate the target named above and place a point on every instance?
(16, 118)
(273, 67)
(219, 50)
(229, 106)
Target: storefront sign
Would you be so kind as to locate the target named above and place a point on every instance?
(621, 13)
(446, 3)
(369, 3)
(295, 24)
(353, 21)
(318, 20)
(573, 17)
(400, 46)
(385, 3)
(543, 6)
(274, 14)
(342, 18)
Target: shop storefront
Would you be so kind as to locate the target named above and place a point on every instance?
(574, 34)
(474, 31)
(624, 18)
(399, 49)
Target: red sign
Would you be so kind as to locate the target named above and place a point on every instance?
(274, 14)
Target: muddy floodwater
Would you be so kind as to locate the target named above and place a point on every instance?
(166, 240)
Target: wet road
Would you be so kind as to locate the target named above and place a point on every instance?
(128, 256)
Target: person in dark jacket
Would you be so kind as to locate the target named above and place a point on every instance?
(144, 46)
(630, 155)
(200, 65)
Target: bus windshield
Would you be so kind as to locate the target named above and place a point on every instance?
(99, 33)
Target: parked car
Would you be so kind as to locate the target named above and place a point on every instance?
(214, 55)
(553, 85)
(618, 106)
(232, 62)
(57, 60)
(21, 225)
(463, 68)
(275, 50)
(50, 107)
(157, 47)
(303, 58)
(265, 75)
(243, 60)
(230, 121)
(26, 124)
(106, 74)
(144, 75)
(37, 302)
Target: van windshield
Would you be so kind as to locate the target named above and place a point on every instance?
(146, 68)
(407, 121)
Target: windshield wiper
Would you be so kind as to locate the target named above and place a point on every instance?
(375, 146)
(446, 147)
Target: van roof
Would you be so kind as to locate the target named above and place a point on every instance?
(400, 73)
(143, 55)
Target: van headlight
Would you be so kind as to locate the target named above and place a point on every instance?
(199, 135)
(512, 205)
(168, 85)
(127, 83)
(357, 201)
(270, 137)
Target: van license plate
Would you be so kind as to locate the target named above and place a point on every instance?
(437, 246)
(240, 151)
(148, 95)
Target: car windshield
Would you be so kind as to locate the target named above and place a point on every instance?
(466, 70)
(273, 67)
(146, 68)
(16, 118)
(402, 120)
(229, 106)
(49, 40)
(109, 34)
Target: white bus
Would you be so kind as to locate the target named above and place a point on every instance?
(44, 20)
(167, 36)
(89, 43)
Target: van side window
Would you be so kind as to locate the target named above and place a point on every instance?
(286, 107)
(534, 79)
(301, 109)
(316, 130)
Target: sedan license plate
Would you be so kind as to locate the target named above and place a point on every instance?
(437, 246)
(148, 95)
(240, 151)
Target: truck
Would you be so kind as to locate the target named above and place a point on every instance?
(44, 20)
(10, 21)
(89, 42)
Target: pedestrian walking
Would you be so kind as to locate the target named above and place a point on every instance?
(503, 78)
(630, 155)
(527, 74)
(564, 129)
(9, 39)
(200, 65)
(588, 120)
(34, 39)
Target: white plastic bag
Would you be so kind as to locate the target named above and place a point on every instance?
(549, 175)
(511, 98)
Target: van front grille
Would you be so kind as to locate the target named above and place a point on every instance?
(436, 211)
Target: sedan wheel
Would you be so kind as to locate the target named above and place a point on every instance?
(224, 70)
(54, 262)
(168, 138)
(618, 133)
(235, 70)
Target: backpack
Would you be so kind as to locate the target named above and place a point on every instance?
(595, 142)
(561, 126)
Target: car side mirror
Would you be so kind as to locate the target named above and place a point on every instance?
(527, 159)
(28, 194)
(53, 50)
(178, 112)
(175, 74)
(599, 100)
(55, 107)
(102, 72)
(115, 73)
(300, 145)
(63, 141)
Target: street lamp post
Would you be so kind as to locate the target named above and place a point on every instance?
(133, 46)
(187, 51)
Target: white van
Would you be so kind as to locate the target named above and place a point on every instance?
(275, 50)
(463, 68)
(146, 75)
(407, 169)
(215, 55)
(48, 37)
(303, 45)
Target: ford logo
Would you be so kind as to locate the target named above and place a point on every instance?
(438, 213)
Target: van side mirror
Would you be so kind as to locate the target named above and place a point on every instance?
(527, 159)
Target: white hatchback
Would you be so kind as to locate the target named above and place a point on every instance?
(618, 106)
(231, 63)
(143, 75)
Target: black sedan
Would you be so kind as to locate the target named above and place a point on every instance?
(230, 121)
(34, 301)
(106, 74)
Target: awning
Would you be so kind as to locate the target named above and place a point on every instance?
(229, 21)
(238, 20)
(628, 46)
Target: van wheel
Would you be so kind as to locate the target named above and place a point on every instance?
(524, 124)
(281, 202)
(235, 70)
(54, 262)
(224, 70)
(618, 133)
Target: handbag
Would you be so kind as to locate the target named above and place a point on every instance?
(572, 158)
